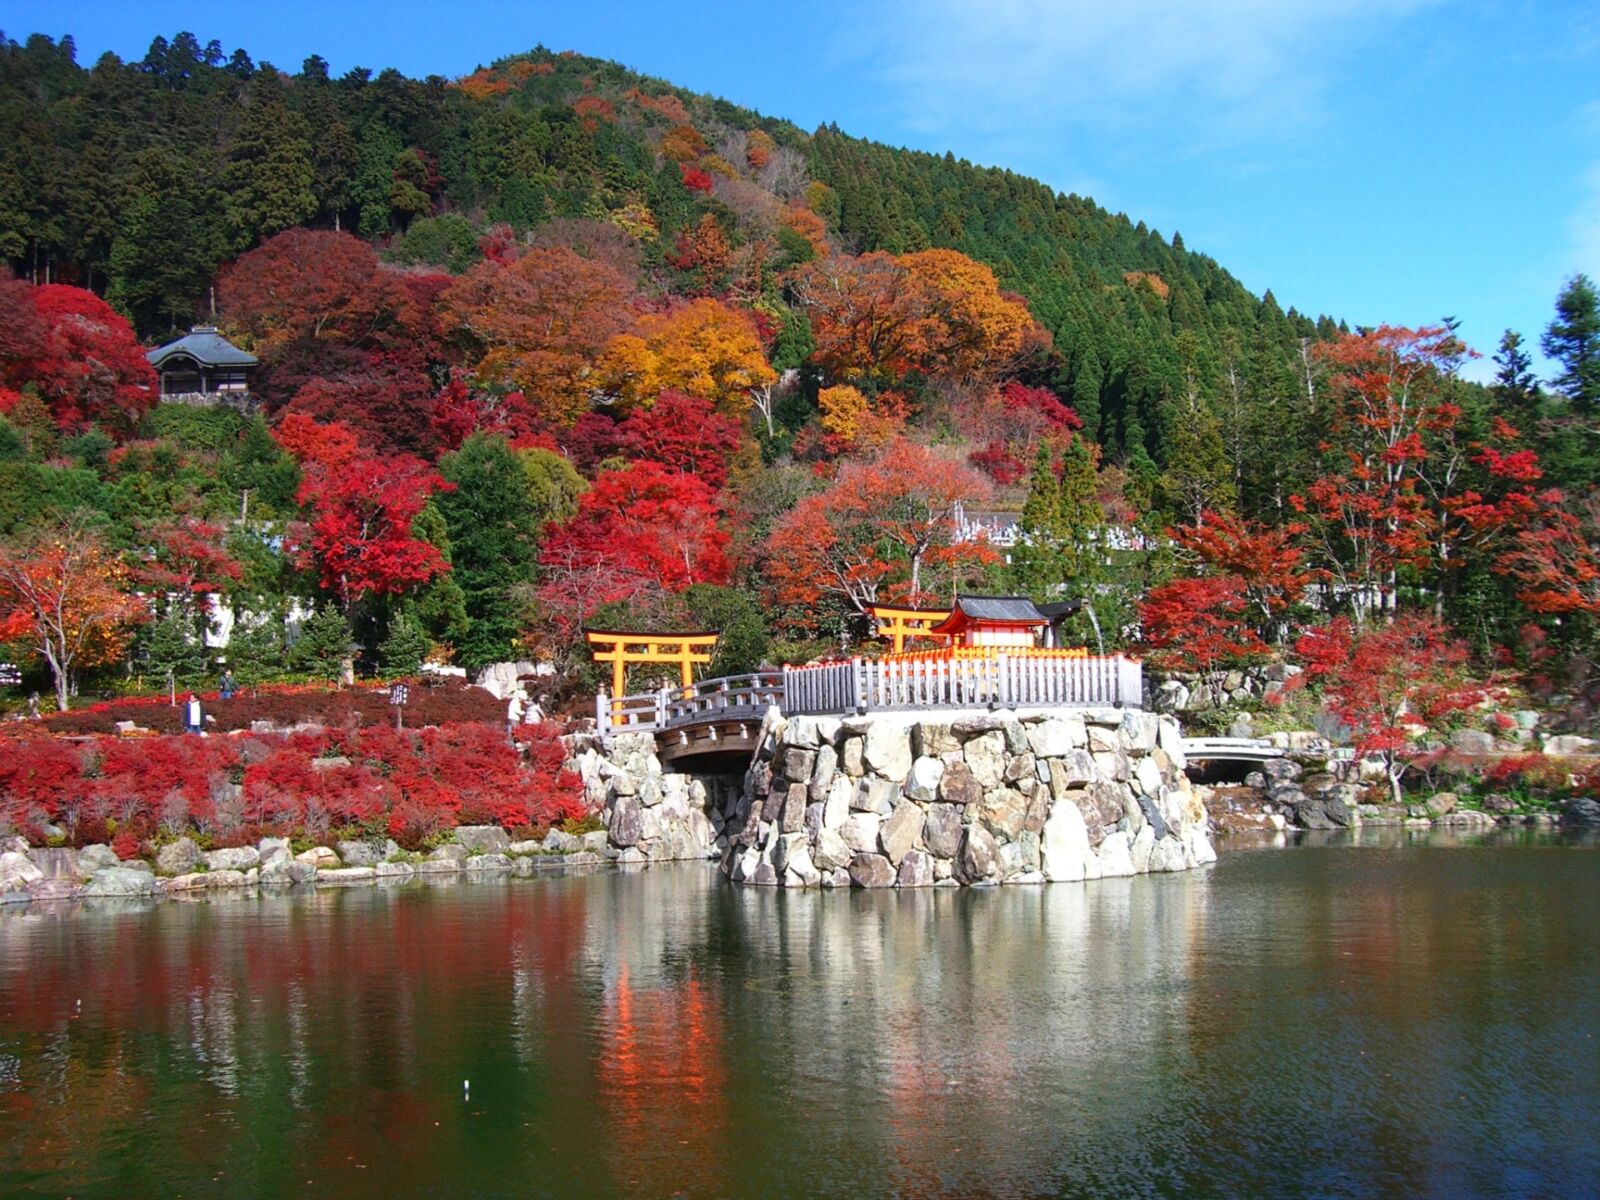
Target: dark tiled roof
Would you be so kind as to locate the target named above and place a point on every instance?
(999, 608)
(207, 347)
(1060, 608)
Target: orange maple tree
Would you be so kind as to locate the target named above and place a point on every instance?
(63, 593)
(539, 323)
(878, 531)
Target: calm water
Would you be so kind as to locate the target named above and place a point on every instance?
(1321, 1021)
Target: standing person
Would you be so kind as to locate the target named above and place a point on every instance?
(513, 714)
(226, 685)
(193, 714)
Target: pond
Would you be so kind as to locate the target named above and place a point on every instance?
(1333, 1020)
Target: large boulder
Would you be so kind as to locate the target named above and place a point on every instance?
(235, 858)
(279, 870)
(922, 784)
(1065, 844)
(1570, 743)
(871, 871)
(831, 851)
(941, 830)
(979, 858)
(120, 881)
(367, 852)
(916, 870)
(986, 759)
(823, 771)
(1056, 736)
(1075, 770)
(1002, 812)
(483, 839)
(1581, 811)
(959, 787)
(178, 857)
(17, 870)
(626, 826)
(930, 739)
(860, 832)
(888, 749)
(96, 857)
(901, 831)
(320, 857)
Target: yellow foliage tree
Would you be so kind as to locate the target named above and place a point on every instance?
(844, 409)
(704, 348)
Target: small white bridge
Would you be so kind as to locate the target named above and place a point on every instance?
(1226, 749)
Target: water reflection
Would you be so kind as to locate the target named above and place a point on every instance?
(1341, 1020)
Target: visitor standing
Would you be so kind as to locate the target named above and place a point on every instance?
(513, 714)
(226, 686)
(193, 714)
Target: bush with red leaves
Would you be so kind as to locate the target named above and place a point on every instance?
(284, 705)
(414, 783)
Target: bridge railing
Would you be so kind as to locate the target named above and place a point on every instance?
(882, 685)
(1003, 680)
(730, 695)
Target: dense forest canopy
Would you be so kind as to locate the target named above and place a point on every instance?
(556, 342)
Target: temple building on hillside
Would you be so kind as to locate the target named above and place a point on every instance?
(992, 621)
(203, 367)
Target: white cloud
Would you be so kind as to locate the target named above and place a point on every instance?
(1219, 72)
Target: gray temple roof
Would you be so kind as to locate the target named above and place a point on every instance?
(1000, 608)
(206, 346)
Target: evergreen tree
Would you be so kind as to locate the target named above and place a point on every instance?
(1516, 388)
(1573, 340)
(1197, 476)
(405, 647)
(255, 651)
(1062, 525)
(494, 526)
(170, 646)
(324, 643)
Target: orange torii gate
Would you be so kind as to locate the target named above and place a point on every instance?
(902, 623)
(684, 649)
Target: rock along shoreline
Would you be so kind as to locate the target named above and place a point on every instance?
(183, 871)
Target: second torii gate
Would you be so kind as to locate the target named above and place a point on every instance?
(898, 624)
(687, 650)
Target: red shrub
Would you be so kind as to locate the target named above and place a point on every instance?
(696, 180)
(41, 780)
(416, 782)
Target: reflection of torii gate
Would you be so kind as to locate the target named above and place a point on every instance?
(899, 624)
(684, 649)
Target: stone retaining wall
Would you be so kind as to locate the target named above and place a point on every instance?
(897, 800)
(650, 815)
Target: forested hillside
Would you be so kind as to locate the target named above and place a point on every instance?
(555, 343)
(140, 180)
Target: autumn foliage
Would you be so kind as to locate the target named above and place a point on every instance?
(1392, 686)
(78, 352)
(409, 783)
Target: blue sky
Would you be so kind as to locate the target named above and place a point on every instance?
(1379, 160)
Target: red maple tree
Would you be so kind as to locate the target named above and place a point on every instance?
(1391, 686)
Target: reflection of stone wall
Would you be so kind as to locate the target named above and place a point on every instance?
(992, 797)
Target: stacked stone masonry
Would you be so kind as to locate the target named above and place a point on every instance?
(985, 798)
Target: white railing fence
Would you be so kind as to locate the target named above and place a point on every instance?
(883, 685)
